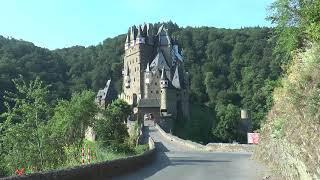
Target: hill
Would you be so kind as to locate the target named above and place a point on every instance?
(228, 67)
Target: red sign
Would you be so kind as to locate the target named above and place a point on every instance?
(253, 138)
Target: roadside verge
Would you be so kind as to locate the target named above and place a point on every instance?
(103, 170)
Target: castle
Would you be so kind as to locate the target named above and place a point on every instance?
(154, 78)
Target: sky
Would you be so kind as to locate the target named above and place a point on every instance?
(63, 23)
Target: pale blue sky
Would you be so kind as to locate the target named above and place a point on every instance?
(64, 23)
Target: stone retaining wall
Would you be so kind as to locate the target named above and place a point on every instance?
(211, 147)
(103, 170)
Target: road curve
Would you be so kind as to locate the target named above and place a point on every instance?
(176, 162)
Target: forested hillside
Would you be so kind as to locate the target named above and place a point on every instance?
(230, 70)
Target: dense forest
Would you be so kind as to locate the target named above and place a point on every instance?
(231, 69)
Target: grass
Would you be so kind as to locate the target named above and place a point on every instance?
(99, 154)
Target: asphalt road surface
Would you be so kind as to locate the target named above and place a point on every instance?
(176, 162)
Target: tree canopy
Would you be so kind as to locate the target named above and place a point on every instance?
(226, 66)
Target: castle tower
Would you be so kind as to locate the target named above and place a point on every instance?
(164, 91)
(147, 81)
(126, 77)
(137, 55)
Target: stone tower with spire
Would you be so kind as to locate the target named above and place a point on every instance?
(154, 78)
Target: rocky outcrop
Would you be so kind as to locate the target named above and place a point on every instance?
(290, 137)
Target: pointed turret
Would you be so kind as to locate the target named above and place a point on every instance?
(127, 43)
(163, 35)
(140, 39)
(164, 88)
(132, 35)
(163, 74)
(144, 29)
(150, 39)
(126, 77)
(148, 68)
(164, 83)
(147, 81)
(148, 75)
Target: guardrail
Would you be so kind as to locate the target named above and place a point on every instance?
(103, 170)
(211, 147)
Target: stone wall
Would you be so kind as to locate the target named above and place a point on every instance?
(103, 170)
(211, 147)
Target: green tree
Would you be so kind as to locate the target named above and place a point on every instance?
(110, 127)
(24, 133)
(72, 118)
(226, 129)
(297, 22)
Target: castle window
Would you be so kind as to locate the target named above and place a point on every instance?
(155, 83)
(161, 91)
(134, 79)
(150, 91)
(157, 92)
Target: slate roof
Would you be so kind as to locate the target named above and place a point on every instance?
(104, 92)
(176, 54)
(176, 79)
(159, 62)
(145, 103)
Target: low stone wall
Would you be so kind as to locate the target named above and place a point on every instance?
(229, 147)
(186, 143)
(211, 147)
(104, 170)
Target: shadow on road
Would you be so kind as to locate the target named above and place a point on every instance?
(194, 162)
(160, 147)
(161, 162)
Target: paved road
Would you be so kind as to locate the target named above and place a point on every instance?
(176, 162)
